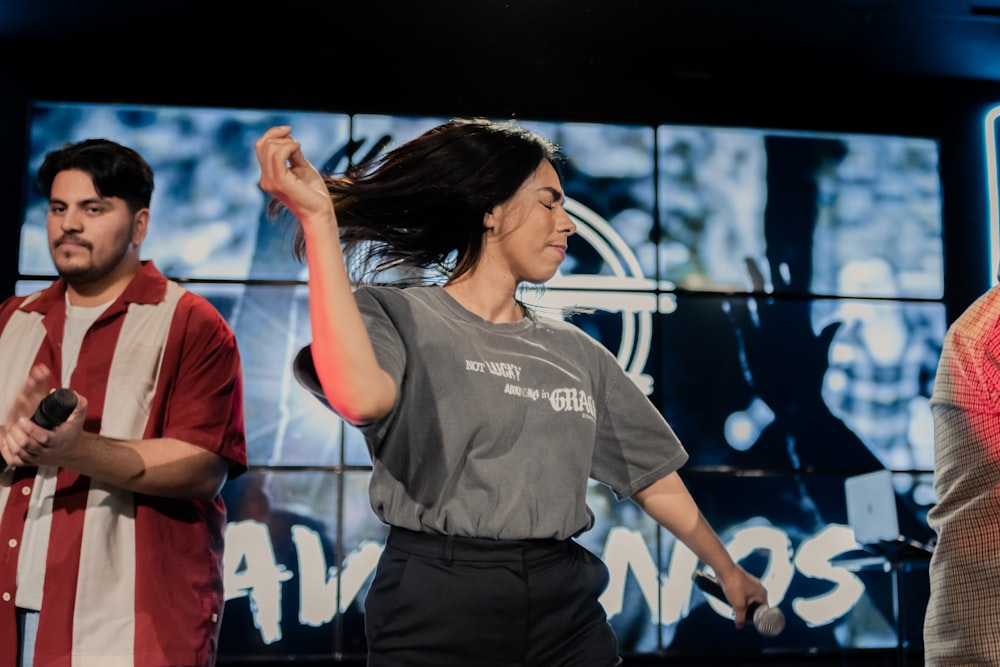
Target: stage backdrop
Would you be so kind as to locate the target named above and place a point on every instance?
(778, 295)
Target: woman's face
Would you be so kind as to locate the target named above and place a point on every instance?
(527, 234)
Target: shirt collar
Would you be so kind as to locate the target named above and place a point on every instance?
(149, 286)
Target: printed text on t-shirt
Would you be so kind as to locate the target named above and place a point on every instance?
(502, 369)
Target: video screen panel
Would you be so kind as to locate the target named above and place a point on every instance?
(811, 211)
(797, 384)
(739, 275)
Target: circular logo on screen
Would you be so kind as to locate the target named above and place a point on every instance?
(620, 288)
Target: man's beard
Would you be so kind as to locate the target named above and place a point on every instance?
(79, 275)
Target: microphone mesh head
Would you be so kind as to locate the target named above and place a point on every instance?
(769, 621)
(58, 405)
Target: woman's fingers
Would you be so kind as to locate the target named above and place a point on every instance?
(274, 152)
(280, 158)
(289, 177)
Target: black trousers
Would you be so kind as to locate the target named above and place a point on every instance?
(440, 601)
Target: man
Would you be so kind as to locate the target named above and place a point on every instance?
(111, 524)
(961, 626)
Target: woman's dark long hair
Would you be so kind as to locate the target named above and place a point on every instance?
(421, 205)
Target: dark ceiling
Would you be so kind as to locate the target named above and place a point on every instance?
(945, 38)
(617, 58)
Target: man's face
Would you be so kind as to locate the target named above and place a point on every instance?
(90, 236)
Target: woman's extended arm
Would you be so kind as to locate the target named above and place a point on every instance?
(668, 502)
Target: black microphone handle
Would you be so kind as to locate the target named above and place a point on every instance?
(55, 408)
(711, 585)
(52, 410)
(767, 620)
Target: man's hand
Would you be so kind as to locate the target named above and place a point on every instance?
(25, 443)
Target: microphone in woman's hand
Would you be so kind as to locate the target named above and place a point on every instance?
(769, 621)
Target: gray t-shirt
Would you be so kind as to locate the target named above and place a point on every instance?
(499, 427)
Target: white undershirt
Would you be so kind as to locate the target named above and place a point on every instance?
(78, 322)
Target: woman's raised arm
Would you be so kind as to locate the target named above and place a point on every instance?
(354, 384)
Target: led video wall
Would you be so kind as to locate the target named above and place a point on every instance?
(778, 295)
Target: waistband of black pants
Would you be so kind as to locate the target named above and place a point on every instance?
(456, 547)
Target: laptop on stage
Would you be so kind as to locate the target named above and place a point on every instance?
(871, 513)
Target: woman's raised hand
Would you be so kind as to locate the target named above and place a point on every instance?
(289, 177)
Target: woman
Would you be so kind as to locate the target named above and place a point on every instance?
(484, 421)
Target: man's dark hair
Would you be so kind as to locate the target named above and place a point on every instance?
(116, 170)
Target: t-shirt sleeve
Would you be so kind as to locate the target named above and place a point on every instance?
(635, 446)
(383, 330)
(304, 371)
(205, 401)
(385, 339)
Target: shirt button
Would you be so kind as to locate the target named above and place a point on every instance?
(12, 543)
(6, 597)
(25, 490)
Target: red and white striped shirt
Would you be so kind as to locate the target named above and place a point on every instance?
(130, 580)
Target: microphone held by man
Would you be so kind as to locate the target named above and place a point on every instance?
(52, 411)
(769, 621)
